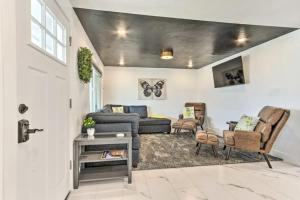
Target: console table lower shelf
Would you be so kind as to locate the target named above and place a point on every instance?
(103, 173)
(85, 174)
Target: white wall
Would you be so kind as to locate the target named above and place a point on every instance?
(273, 71)
(121, 86)
(79, 92)
(1, 105)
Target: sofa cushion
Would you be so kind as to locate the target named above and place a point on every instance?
(154, 121)
(141, 110)
(155, 129)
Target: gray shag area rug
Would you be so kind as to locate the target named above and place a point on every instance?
(160, 151)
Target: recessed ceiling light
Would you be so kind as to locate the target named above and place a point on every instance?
(190, 64)
(242, 38)
(166, 54)
(121, 63)
(122, 32)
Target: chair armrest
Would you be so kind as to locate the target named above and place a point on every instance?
(247, 140)
(200, 120)
(180, 116)
(232, 125)
(232, 122)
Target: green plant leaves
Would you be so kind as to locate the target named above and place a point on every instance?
(89, 123)
(84, 61)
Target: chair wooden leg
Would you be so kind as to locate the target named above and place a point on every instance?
(197, 144)
(194, 132)
(267, 160)
(228, 154)
(224, 148)
(214, 150)
(198, 149)
(201, 127)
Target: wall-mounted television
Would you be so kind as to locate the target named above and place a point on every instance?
(229, 73)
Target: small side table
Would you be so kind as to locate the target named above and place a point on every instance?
(105, 172)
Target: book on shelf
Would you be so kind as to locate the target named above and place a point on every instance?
(113, 154)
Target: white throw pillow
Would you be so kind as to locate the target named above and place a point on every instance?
(189, 113)
(118, 109)
(247, 123)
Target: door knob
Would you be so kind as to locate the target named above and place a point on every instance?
(31, 131)
(24, 131)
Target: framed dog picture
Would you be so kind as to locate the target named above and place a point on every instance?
(152, 89)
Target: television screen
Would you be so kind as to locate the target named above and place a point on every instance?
(229, 73)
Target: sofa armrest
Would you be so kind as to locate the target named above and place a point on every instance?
(117, 118)
(247, 140)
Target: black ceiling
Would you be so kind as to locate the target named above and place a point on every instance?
(202, 42)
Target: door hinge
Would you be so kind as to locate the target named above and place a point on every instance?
(71, 165)
(70, 40)
(70, 103)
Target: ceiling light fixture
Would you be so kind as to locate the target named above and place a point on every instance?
(166, 54)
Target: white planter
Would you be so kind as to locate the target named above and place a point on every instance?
(90, 131)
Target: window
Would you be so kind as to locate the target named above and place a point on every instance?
(47, 32)
(95, 91)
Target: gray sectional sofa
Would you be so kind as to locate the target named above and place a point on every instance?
(146, 124)
(134, 119)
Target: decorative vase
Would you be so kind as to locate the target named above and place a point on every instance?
(90, 131)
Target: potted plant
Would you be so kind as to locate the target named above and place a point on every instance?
(89, 124)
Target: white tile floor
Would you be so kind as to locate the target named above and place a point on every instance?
(250, 181)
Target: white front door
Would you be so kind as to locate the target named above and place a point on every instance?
(43, 161)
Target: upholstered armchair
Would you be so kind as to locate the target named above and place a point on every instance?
(191, 124)
(261, 140)
(199, 109)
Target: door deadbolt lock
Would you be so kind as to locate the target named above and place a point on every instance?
(24, 130)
